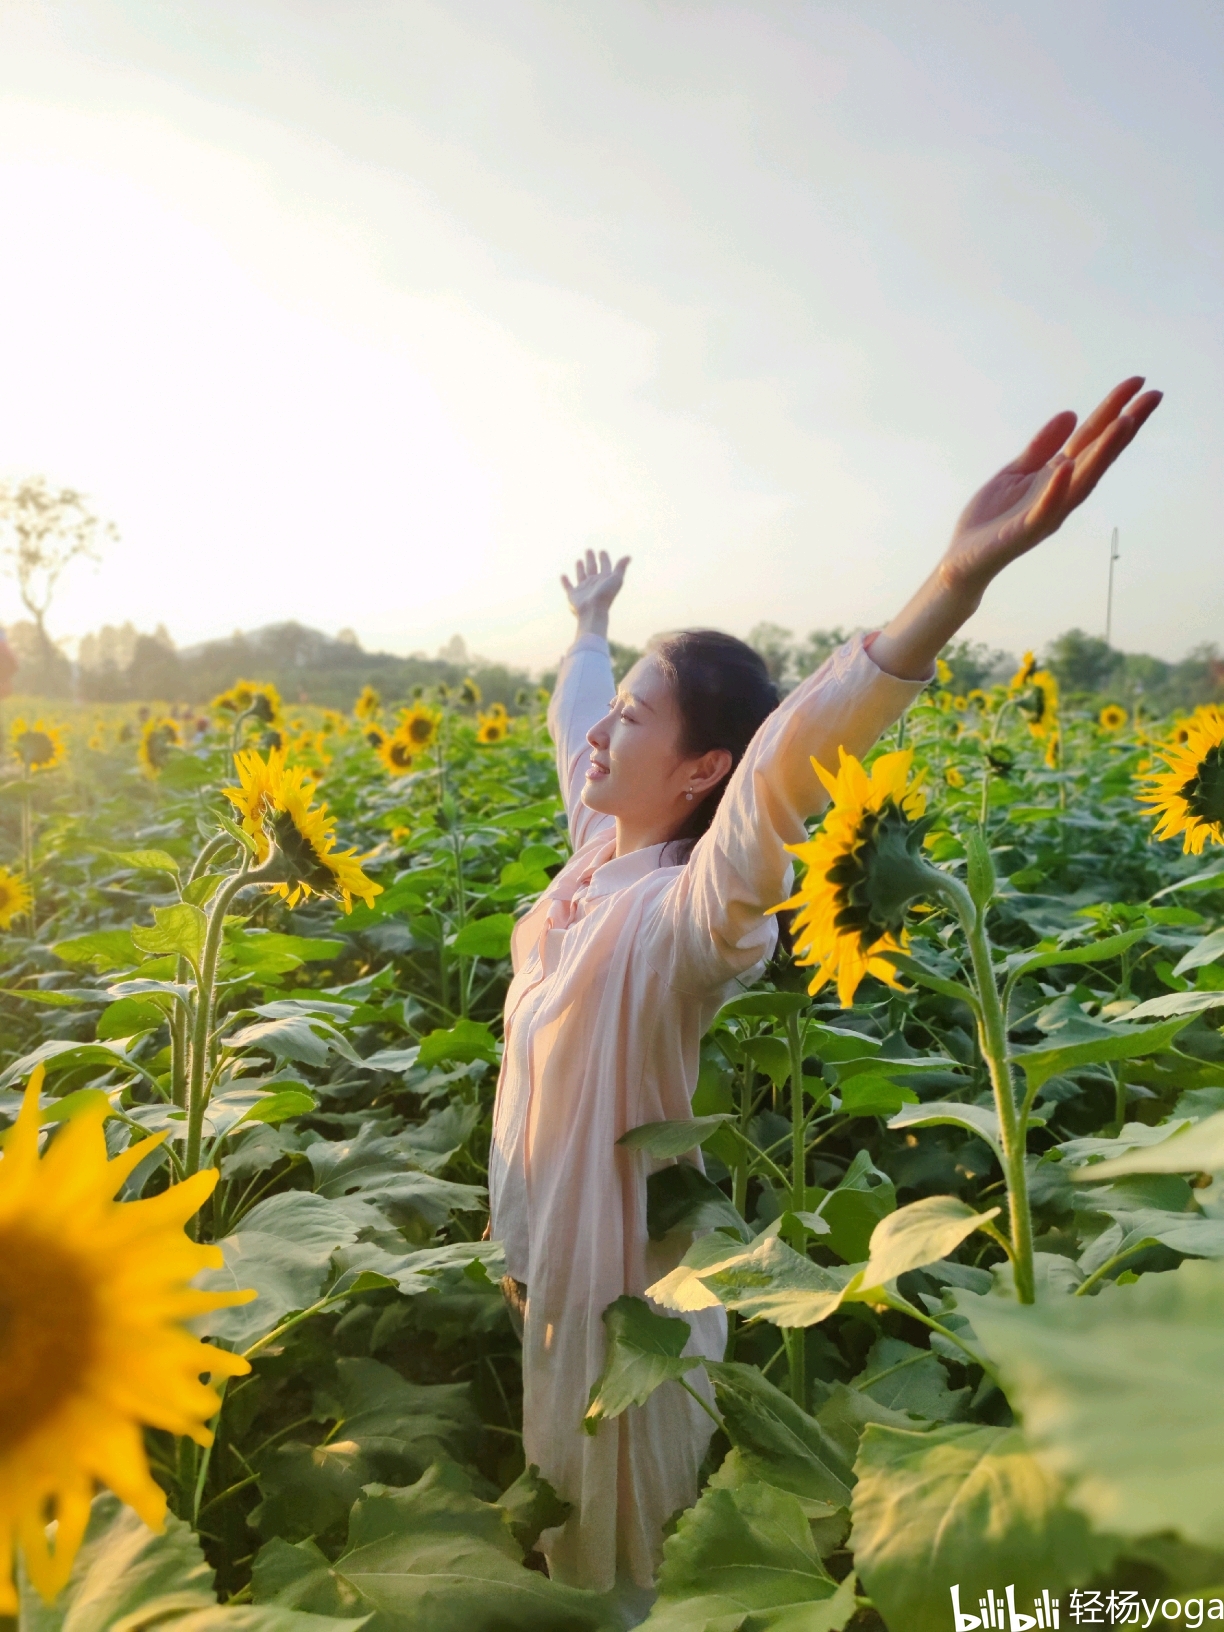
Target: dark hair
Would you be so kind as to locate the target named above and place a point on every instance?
(723, 693)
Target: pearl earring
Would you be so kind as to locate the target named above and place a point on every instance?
(689, 794)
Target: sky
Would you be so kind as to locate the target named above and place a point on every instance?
(374, 313)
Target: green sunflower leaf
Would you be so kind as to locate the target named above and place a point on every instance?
(643, 1351)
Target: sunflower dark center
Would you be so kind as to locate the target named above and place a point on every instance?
(300, 856)
(47, 1319)
(400, 754)
(884, 872)
(420, 730)
(35, 747)
(1204, 792)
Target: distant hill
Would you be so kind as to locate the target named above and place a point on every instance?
(306, 666)
(123, 665)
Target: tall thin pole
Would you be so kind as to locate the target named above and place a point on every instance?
(1114, 553)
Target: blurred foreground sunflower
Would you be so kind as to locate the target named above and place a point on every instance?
(275, 801)
(396, 753)
(419, 726)
(39, 747)
(1111, 717)
(368, 704)
(158, 740)
(93, 1293)
(863, 869)
(258, 698)
(14, 897)
(493, 728)
(470, 693)
(1188, 796)
(1038, 701)
(1022, 676)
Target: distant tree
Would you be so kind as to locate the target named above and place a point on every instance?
(42, 530)
(975, 666)
(154, 670)
(623, 659)
(1083, 662)
(808, 657)
(776, 646)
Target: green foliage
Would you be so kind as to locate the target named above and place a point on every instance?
(961, 1503)
(879, 1363)
(643, 1351)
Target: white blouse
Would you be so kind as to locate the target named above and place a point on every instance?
(619, 968)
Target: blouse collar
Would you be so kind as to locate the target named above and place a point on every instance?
(612, 872)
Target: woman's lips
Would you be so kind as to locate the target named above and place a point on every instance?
(596, 772)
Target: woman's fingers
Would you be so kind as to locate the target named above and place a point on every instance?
(1045, 444)
(1092, 464)
(1047, 512)
(1103, 415)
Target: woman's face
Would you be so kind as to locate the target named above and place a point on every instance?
(637, 771)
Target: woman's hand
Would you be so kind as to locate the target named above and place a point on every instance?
(1032, 497)
(1026, 502)
(598, 585)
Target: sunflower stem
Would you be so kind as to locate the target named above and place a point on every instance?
(992, 1037)
(197, 1087)
(796, 1338)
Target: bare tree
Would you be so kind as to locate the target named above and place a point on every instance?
(42, 530)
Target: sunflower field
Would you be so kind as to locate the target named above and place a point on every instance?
(961, 1190)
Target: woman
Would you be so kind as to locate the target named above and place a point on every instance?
(623, 962)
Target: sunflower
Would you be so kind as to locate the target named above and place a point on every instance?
(39, 747)
(418, 726)
(497, 711)
(14, 897)
(1053, 749)
(93, 1292)
(863, 869)
(97, 739)
(368, 704)
(960, 704)
(334, 723)
(255, 697)
(1189, 794)
(1111, 717)
(1022, 676)
(943, 672)
(470, 694)
(375, 736)
(1183, 728)
(158, 740)
(1039, 701)
(252, 798)
(954, 776)
(276, 805)
(396, 753)
(492, 728)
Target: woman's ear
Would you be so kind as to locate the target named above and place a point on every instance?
(710, 769)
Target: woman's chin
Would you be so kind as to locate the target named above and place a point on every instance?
(597, 795)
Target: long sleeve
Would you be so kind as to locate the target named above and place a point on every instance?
(714, 925)
(584, 688)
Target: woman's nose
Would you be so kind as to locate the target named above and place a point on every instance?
(598, 736)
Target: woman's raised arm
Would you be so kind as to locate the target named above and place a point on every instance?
(1027, 501)
(713, 925)
(584, 685)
